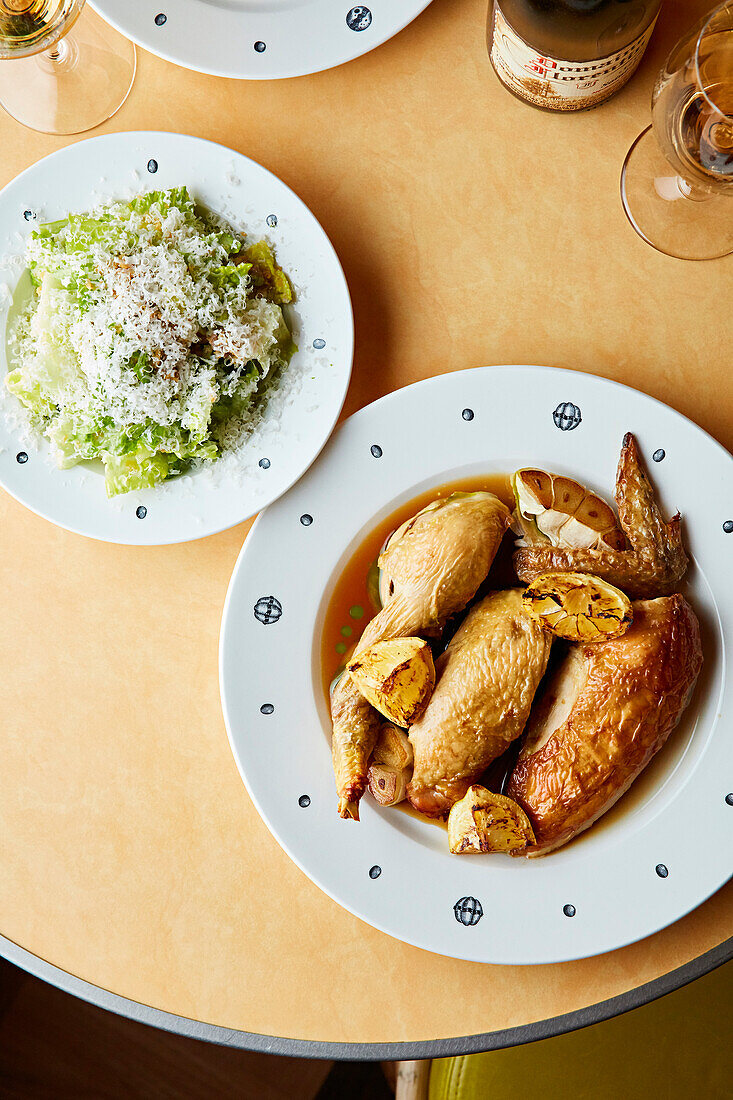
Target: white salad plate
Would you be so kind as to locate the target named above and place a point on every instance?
(259, 39)
(661, 851)
(300, 413)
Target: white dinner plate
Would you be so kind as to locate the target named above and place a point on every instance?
(299, 415)
(259, 39)
(659, 852)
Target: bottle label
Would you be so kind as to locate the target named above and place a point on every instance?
(561, 85)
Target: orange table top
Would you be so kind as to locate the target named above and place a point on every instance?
(472, 230)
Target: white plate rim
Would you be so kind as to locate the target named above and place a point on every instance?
(229, 49)
(563, 947)
(161, 143)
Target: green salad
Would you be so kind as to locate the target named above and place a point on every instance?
(152, 335)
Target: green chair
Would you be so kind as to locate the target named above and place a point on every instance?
(677, 1048)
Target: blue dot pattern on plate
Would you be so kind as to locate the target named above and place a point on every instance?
(306, 520)
(304, 802)
(271, 220)
(376, 450)
(160, 19)
(267, 708)
(141, 511)
(728, 526)
(569, 910)
(152, 166)
(264, 463)
(268, 610)
(28, 215)
(260, 47)
(358, 18)
(468, 911)
(467, 414)
(319, 344)
(375, 871)
(566, 416)
(729, 799)
(659, 454)
(661, 870)
(21, 458)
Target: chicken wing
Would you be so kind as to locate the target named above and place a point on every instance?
(486, 680)
(609, 709)
(432, 566)
(655, 563)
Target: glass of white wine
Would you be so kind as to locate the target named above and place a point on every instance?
(62, 70)
(677, 180)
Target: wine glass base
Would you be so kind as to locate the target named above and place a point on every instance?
(74, 87)
(667, 212)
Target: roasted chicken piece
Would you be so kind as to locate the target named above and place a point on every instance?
(609, 708)
(655, 562)
(431, 568)
(485, 683)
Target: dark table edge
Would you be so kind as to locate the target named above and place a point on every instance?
(307, 1048)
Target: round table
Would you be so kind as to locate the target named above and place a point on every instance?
(135, 871)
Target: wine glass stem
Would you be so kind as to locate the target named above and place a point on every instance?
(691, 192)
(62, 57)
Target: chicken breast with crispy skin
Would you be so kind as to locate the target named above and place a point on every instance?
(485, 683)
(432, 567)
(655, 562)
(609, 708)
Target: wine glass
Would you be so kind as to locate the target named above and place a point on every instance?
(677, 179)
(62, 70)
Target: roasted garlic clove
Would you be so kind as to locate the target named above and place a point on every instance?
(396, 676)
(393, 748)
(391, 768)
(387, 785)
(486, 822)
(559, 510)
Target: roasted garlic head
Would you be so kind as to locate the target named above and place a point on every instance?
(562, 512)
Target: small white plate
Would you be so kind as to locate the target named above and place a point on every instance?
(299, 416)
(259, 39)
(661, 851)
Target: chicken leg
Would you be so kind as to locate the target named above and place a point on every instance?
(432, 566)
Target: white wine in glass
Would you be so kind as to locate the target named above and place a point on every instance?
(62, 70)
(677, 180)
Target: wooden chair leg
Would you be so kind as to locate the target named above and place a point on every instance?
(412, 1080)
